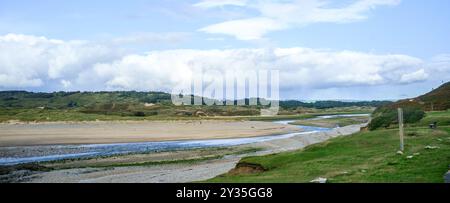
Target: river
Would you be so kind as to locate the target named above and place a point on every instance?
(60, 152)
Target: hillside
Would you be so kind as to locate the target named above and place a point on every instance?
(436, 100)
(413, 109)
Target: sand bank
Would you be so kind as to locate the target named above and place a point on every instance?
(133, 131)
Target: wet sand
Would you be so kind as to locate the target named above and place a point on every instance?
(34, 134)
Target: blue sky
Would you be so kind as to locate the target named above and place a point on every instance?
(404, 44)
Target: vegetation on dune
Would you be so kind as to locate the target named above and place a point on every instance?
(132, 105)
(81, 106)
(364, 157)
(333, 122)
(290, 104)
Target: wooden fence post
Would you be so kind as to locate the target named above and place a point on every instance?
(400, 125)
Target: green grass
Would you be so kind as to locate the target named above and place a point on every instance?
(55, 115)
(441, 117)
(365, 157)
(332, 122)
(164, 113)
(156, 163)
(305, 116)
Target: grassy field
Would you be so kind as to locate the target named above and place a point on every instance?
(441, 117)
(333, 122)
(50, 115)
(365, 157)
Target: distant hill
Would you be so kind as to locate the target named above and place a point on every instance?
(436, 100)
(64, 100)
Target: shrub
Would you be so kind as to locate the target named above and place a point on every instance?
(388, 116)
(139, 114)
(413, 115)
(72, 104)
(384, 120)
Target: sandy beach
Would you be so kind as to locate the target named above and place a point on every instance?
(21, 134)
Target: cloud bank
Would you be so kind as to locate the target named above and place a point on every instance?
(281, 15)
(38, 63)
(30, 61)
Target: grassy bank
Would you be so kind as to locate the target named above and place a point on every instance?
(333, 122)
(363, 157)
(53, 115)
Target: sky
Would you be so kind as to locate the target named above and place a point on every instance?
(324, 49)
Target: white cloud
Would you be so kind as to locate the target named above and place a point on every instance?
(417, 76)
(438, 68)
(280, 15)
(247, 29)
(441, 63)
(29, 62)
(299, 68)
(17, 81)
(66, 84)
